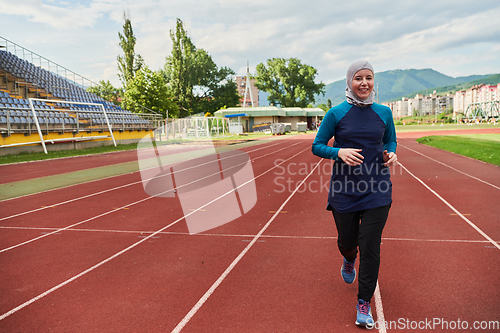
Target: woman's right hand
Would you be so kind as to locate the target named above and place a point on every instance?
(351, 156)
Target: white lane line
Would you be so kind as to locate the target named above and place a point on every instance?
(142, 232)
(111, 189)
(380, 310)
(126, 206)
(448, 166)
(5, 315)
(453, 208)
(221, 278)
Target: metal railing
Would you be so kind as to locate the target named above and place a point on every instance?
(483, 110)
(44, 63)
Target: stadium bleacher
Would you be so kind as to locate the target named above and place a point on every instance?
(62, 111)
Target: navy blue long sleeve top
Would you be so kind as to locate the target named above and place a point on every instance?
(370, 128)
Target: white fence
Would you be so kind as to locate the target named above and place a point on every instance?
(193, 128)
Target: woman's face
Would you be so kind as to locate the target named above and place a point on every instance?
(362, 83)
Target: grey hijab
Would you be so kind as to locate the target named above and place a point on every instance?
(351, 97)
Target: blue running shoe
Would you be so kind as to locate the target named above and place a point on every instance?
(348, 271)
(364, 316)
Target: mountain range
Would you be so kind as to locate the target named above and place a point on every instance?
(394, 84)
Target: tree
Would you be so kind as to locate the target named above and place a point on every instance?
(323, 107)
(329, 104)
(220, 95)
(107, 91)
(149, 89)
(213, 87)
(288, 82)
(178, 68)
(129, 63)
(198, 85)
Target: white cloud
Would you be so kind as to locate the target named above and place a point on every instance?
(326, 34)
(36, 11)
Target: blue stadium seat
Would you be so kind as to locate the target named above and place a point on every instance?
(3, 120)
(57, 86)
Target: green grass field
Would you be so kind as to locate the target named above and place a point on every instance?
(483, 147)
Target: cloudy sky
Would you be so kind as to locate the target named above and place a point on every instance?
(454, 37)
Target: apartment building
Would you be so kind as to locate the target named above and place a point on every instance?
(459, 102)
(399, 108)
(421, 105)
(481, 93)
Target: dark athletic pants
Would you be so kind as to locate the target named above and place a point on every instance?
(363, 229)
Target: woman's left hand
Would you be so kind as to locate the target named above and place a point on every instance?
(390, 158)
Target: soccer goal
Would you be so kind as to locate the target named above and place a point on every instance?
(35, 116)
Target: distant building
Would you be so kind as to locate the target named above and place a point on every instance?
(399, 108)
(430, 105)
(260, 118)
(481, 93)
(459, 102)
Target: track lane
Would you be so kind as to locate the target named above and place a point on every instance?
(475, 198)
(288, 153)
(56, 197)
(148, 305)
(64, 210)
(21, 171)
(290, 280)
(253, 291)
(434, 264)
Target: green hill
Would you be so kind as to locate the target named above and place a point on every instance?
(394, 84)
(492, 79)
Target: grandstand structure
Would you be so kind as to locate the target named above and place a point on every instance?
(42, 102)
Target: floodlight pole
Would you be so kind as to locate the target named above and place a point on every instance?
(247, 87)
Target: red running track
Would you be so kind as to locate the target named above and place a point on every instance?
(275, 269)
